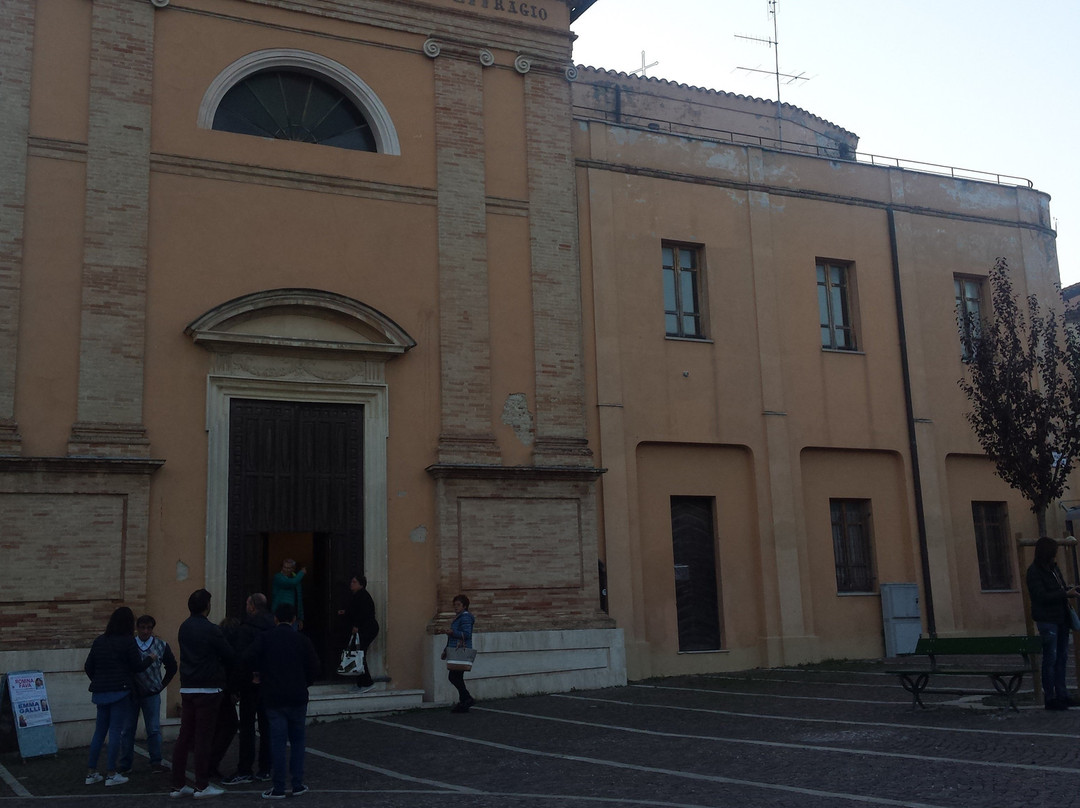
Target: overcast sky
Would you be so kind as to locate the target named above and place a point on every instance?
(977, 84)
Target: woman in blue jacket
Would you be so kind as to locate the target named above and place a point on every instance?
(112, 663)
(460, 635)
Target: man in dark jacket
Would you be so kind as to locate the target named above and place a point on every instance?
(285, 663)
(256, 621)
(204, 655)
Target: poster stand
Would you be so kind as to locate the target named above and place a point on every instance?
(30, 711)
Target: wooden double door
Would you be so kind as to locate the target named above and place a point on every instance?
(296, 491)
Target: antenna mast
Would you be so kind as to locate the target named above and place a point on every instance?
(775, 45)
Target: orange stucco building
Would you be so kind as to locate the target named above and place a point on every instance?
(663, 381)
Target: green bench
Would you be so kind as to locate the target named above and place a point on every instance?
(1006, 676)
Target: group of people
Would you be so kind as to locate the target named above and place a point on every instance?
(233, 677)
(268, 668)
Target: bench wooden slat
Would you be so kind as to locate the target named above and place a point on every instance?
(960, 671)
(961, 646)
(1006, 679)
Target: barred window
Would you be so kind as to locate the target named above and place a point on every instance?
(992, 544)
(851, 545)
(969, 292)
(834, 281)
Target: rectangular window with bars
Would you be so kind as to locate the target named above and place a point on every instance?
(852, 545)
(992, 544)
(834, 282)
(969, 292)
(683, 315)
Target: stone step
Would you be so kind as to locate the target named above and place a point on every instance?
(330, 701)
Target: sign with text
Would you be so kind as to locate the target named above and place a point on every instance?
(30, 709)
(552, 13)
(29, 701)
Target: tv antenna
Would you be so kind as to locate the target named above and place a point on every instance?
(644, 67)
(788, 77)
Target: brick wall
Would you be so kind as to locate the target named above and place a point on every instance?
(522, 545)
(73, 539)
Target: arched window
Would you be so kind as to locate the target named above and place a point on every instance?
(301, 96)
(291, 105)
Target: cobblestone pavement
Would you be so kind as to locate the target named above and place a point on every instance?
(839, 735)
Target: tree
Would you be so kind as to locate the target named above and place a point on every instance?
(1023, 383)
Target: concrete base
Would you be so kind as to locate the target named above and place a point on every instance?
(514, 663)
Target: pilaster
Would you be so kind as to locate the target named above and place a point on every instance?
(556, 275)
(466, 433)
(111, 353)
(786, 598)
(16, 54)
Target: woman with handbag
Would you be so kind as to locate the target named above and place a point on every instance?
(1050, 611)
(459, 635)
(359, 617)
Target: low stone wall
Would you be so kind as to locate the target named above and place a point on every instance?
(516, 663)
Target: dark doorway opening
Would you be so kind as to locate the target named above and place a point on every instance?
(696, 590)
(296, 491)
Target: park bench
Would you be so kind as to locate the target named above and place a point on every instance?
(1006, 675)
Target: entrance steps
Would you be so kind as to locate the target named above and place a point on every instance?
(333, 700)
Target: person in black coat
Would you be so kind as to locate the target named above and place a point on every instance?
(257, 620)
(112, 663)
(204, 658)
(1050, 612)
(285, 665)
(359, 618)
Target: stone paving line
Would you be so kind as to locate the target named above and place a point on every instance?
(813, 737)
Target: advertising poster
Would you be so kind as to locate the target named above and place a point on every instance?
(29, 701)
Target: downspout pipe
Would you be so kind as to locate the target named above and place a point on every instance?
(913, 443)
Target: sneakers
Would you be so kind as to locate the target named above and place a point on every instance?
(186, 791)
(296, 792)
(262, 777)
(93, 777)
(115, 779)
(157, 768)
(237, 780)
(274, 795)
(210, 791)
(365, 688)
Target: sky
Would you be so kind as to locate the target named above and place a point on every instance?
(975, 84)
